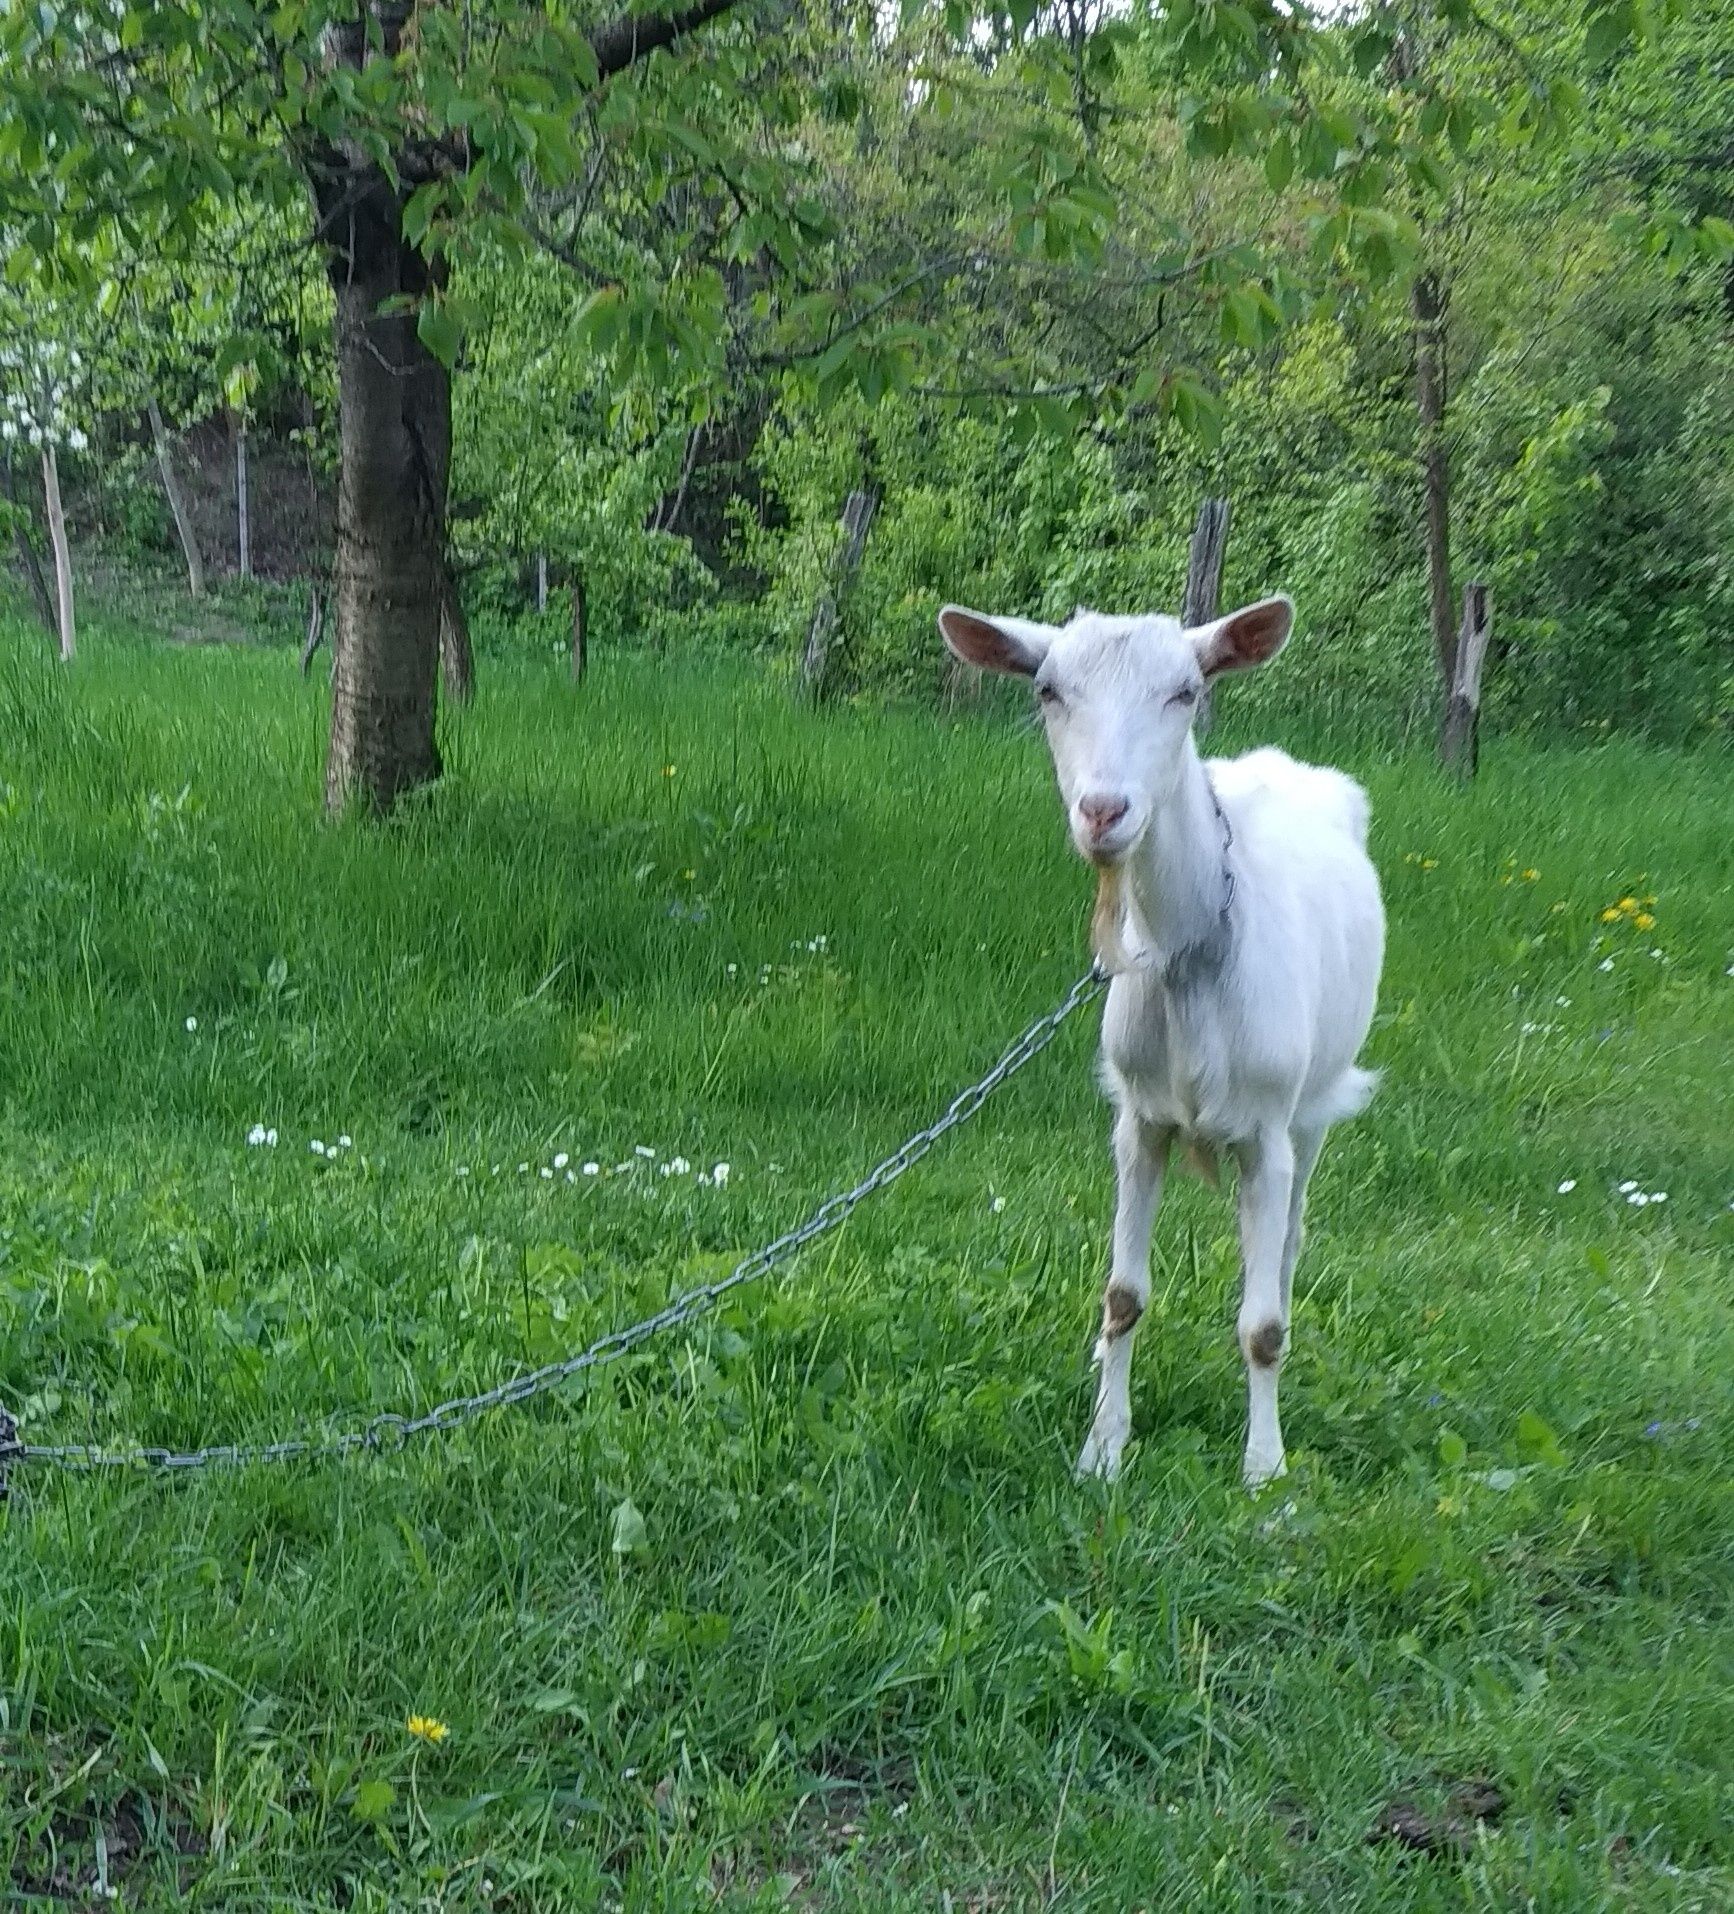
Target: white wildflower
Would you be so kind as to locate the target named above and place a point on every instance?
(592, 1169)
(317, 1147)
(998, 1204)
(343, 1143)
(644, 1150)
(561, 1160)
(1570, 1184)
(255, 1136)
(192, 1023)
(719, 1174)
(1627, 1187)
(1607, 963)
(463, 1169)
(547, 1174)
(1658, 1196)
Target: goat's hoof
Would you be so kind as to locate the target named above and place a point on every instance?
(1100, 1459)
(1260, 1469)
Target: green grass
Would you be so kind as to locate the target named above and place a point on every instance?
(876, 1647)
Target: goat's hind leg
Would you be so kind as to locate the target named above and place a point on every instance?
(1267, 1179)
(1140, 1161)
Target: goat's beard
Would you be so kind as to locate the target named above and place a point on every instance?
(1108, 920)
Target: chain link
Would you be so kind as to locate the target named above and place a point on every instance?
(387, 1434)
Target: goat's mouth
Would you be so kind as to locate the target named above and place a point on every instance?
(1108, 850)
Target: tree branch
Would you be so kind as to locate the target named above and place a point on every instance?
(634, 36)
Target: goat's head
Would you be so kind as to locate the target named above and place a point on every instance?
(1118, 696)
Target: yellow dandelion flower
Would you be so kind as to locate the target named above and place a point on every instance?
(1531, 876)
(1644, 920)
(670, 771)
(1429, 863)
(1628, 905)
(1610, 915)
(1649, 903)
(426, 1728)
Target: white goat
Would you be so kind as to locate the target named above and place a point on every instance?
(1241, 915)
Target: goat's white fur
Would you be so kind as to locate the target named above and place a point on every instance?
(1230, 1032)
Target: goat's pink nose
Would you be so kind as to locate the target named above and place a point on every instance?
(1101, 812)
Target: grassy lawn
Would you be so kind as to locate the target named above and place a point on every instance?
(803, 1607)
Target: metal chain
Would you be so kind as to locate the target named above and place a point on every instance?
(388, 1433)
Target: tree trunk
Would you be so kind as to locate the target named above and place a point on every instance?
(26, 546)
(243, 519)
(541, 583)
(1460, 734)
(580, 625)
(822, 627)
(1429, 309)
(177, 502)
(1203, 600)
(62, 556)
(394, 408)
(457, 657)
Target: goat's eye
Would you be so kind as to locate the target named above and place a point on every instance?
(1187, 694)
(1048, 695)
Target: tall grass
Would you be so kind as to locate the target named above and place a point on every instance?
(870, 1645)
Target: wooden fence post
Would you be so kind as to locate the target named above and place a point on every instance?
(858, 512)
(580, 624)
(243, 514)
(315, 629)
(1203, 598)
(1459, 735)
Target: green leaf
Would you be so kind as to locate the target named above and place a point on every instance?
(374, 1800)
(419, 210)
(1279, 163)
(631, 1537)
(1609, 30)
(1453, 1450)
(1716, 237)
(1537, 1441)
(439, 331)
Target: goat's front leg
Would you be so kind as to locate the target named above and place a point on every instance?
(1267, 1172)
(1140, 1160)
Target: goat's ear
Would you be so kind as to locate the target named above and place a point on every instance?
(996, 644)
(1248, 637)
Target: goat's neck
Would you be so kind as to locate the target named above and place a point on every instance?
(1178, 875)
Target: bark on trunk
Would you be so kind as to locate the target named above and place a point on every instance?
(177, 501)
(1460, 733)
(858, 511)
(1203, 600)
(62, 556)
(243, 517)
(580, 626)
(22, 517)
(1429, 309)
(394, 406)
(541, 583)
